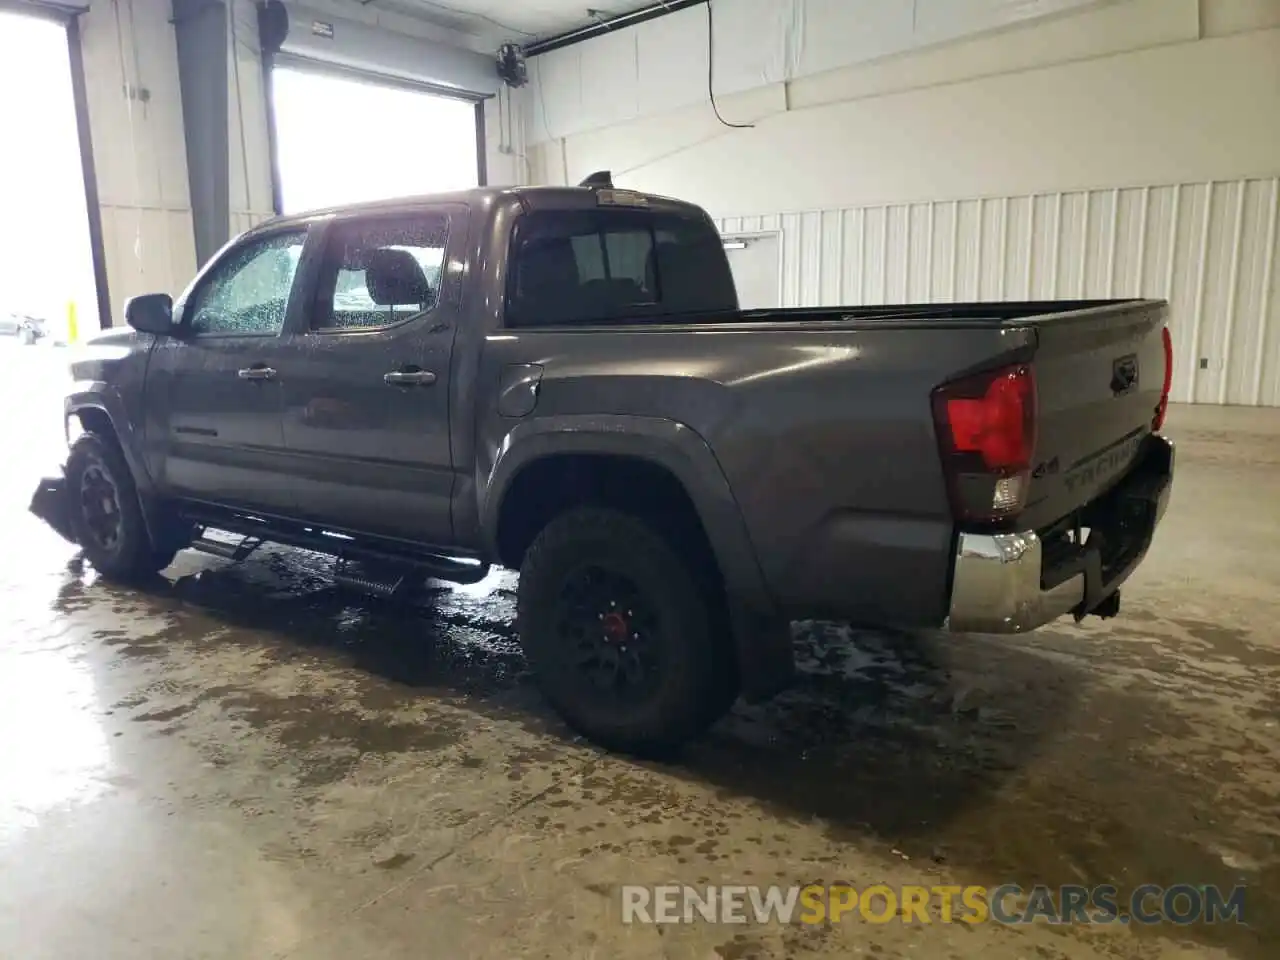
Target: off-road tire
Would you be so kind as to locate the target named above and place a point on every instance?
(695, 682)
(133, 556)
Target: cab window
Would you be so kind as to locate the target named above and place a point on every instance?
(616, 266)
(248, 292)
(380, 272)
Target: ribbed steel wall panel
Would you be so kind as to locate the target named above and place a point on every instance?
(1209, 248)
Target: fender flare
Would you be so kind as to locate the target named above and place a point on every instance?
(667, 443)
(105, 399)
(761, 633)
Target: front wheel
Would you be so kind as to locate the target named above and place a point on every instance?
(623, 638)
(105, 512)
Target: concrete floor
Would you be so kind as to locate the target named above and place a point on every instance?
(242, 762)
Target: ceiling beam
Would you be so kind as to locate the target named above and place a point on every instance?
(600, 28)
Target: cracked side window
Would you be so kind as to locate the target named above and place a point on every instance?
(381, 271)
(248, 292)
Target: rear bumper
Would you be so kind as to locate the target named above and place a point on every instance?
(1014, 582)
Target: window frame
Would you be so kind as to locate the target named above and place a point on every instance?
(214, 267)
(332, 234)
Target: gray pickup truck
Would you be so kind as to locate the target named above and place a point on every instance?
(559, 380)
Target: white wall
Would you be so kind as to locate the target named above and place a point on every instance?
(1097, 124)
(249, 174)
(506, 158)
(1123, 94)
(661, 65)
(138, 147)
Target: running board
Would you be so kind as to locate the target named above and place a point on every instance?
(402, 558)
(448, 568)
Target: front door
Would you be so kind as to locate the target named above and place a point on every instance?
(214, 392)
(366, 379)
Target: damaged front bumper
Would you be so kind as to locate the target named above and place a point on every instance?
(51, 503)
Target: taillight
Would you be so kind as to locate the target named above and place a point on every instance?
(987, 434)
(1162, 409)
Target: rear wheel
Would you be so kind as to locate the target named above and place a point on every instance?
(626, 643)
(105, 512)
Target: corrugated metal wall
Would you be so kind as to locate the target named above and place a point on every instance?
(1208, 248)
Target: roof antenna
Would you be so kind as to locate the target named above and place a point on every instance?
(601, 178)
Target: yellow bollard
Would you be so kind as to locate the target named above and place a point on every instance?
(72, 329)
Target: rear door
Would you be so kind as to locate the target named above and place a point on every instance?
(366, 379)
(214, 392)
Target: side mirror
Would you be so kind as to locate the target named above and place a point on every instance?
(150, 313)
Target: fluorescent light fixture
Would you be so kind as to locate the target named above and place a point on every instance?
(735, 244)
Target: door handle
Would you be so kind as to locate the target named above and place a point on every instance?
(257, 373)
(409, 378)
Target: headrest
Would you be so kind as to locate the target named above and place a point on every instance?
(548, 263)
(394, 278)
(692, 276)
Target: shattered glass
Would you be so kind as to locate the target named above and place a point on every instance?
(347, 268)
(249, 293)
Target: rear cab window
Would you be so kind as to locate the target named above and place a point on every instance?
(615, 266)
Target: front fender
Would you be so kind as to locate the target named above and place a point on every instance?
(105, 399)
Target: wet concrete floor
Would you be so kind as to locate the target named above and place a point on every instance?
(244, 762)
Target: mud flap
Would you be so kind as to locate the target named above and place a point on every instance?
(51, 505)
(766, 663)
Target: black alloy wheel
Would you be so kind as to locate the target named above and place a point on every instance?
(105, 511)
(100, 507)
(624, 639)
(610, 633)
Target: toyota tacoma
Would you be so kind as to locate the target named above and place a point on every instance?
(560, 381)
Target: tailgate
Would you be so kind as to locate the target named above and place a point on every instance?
(1099, 379)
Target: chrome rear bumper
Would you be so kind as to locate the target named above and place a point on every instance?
(999, 582)
(997, 585)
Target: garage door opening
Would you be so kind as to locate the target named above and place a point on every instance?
(347, 139)
(47, 285)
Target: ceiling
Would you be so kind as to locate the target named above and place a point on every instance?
(519, 20)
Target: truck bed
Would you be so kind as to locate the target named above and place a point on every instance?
(977, 313)
(827, 411)
(1088, 427)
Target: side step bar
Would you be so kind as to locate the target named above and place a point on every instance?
(228, 551)
(379, 588)
(404, 560)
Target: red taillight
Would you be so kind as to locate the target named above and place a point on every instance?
(999, 425)
(1162, 409)
(987, 433)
